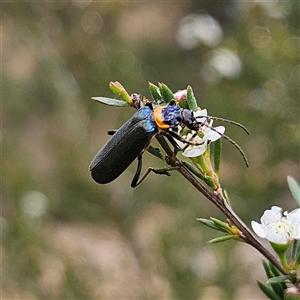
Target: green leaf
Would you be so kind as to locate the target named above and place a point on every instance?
(272, 272)
(226, 196)
(276, 273)
(155, 152)
(223, 239)
(183, 104)
(211, 224)
(217, 155)
(111, 101)
(294, 188)
(166, 93)
(268, 291)
(296, 251)
(267, 269)
(191, 100)
(278, 284)
(193, 169)
(198, 172)
(155, 93)
(210, 182)
(220, 223)
(277, 279)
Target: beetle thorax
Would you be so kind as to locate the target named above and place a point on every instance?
(188, 119)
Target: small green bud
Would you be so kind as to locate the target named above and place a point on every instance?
(118, 89)
(292, 293)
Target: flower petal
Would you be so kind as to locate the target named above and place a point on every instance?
(200, 115)
(180, 95)
(294, 218)
(272, 215)
(258, 229)
(194, 151)
(277, 227)
(213, 135)
(276, 237)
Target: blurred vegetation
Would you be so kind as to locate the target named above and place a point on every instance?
(65, 237)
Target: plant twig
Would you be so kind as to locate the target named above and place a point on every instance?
(221, 203)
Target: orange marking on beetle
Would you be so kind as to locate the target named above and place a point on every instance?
(158, 117)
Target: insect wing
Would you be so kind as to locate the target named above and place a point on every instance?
(123, 147)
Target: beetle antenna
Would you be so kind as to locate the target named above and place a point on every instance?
(226, 137)
(229, 122)
(236, 145)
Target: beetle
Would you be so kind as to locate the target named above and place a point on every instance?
(135, 135)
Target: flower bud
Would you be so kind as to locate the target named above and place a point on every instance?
(119, 90)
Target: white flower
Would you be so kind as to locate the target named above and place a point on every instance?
(207, 133)
(278, 227)
(194, 151)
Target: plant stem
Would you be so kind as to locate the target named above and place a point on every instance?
(218, 200)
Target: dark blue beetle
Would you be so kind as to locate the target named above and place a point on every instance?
(134, 136)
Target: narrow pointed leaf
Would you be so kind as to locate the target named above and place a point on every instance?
(279, 287)
(155, 152)
(220, 223)
(210, 182)
(166, 93)
(282, 285)
(223, 239)
(267, 269)
(217, 156)
(268, 291)
(155, 93)
(226, 196)
(297, 259)
(111, 101)
(277, 279)
(193, 169)
(295, 189)
(211, 224)
(296, 251)
(272, 272)
(191, 100)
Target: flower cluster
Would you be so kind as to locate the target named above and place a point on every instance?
(278, 227)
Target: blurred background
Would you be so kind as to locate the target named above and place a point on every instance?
(66, 237)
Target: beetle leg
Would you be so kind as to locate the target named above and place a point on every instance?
(176, 136)
(171, 139)
(111, 132)
(173, 136)
(137, 174)
(163, 171)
